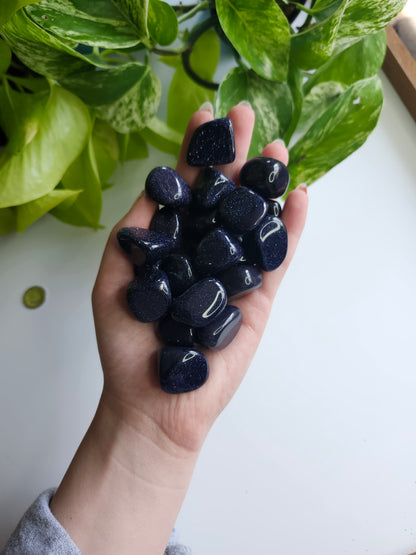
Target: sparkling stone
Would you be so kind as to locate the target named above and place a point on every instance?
(242, 210)
(221, 331)
(172, 332)
(167, 220)
(274, 208)
(144, 246)
(211, 187)
(266, 176)
(200, 221)
(179, 271)
(165, 186)
(212, 144)
(182, 369)
(149, 296)
(266, 245)
(200, 304)
(240, 280)
(217, 251)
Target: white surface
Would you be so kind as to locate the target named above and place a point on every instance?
(316, 453)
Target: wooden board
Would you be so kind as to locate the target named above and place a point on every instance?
(400, 68)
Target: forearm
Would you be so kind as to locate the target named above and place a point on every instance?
(124, 488)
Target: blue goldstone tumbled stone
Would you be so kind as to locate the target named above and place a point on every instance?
(165, 186)
(200, 221)
(212, 144)
(221, 331)
(240, 280)
(200, 304)
(167, 220)
(179, 271)
(182, 369)
(149, 296)
(144, 246)
(217, 251)
(242, 210)
(274, 208)
(266, 176)
(211, 187)
(172, 332)
(266, 245)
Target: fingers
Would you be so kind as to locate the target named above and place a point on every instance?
(277, 150)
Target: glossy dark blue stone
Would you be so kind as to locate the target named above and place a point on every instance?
(179, 271)
(274, 208)
(217, 251)
(167, 220)
(221, 331)
(267, 244)
(182, 369)
(266, 176)
(212, 144)
(211, 187)
(165, 186)
(200, 304)
(200, 221)
(172, 332)
(241, 280)
(144, 246)
(242, 210)
(149, 296)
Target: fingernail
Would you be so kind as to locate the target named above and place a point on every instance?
(280, 142)
(207, 106)
(303, 187)
(245, 103)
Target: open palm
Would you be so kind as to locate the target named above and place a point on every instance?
(129, 349)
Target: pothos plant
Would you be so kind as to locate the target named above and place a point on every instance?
(78, 92)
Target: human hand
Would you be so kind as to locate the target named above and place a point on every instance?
(129, 349)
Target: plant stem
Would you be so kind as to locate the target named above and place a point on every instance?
(301, 7)
(198, 7)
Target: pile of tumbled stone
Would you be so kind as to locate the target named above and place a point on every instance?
(204, 247)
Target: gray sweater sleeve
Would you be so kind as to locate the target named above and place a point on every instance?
(40, 532)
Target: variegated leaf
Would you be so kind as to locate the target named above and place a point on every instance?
(31, 211)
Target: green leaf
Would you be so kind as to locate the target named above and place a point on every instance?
(362, 17)
(132, 147)
(136, 12)
(313, 46)
(336, 133)
(9, 7)
(7, 220)
(106, 149)
(83, 173)
(185, 96)
(48, 133)
(318, 101)
(162, 22)
(272, 104)
(359, 61)
(162, 137)
(295, 82)
(260, 33)
(97, 23)
(39, 50)
(31, 211)
(5, 57)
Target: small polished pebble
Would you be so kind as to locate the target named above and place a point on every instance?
(221, 331)
(217, 251)
(144, 246)
(211, 187)
(172, 332)
(165, 186)
(200, 304)
(182, 369)
(274, 208)
(149, 296)
(241, 280)
(266, 176)
(242, 210)
(178, 268)
(167, 220)
(199, 222)
(266, 245)
(212, 144)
